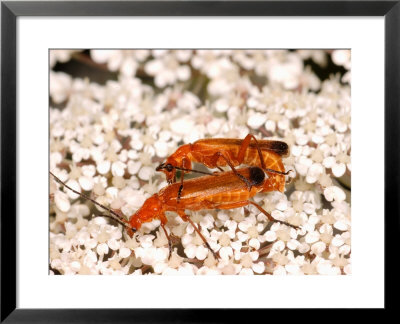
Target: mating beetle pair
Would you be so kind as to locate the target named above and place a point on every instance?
(219, 190)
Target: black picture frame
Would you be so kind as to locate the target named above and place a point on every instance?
(10, 11)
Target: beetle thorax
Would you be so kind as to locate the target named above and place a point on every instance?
(151, 209)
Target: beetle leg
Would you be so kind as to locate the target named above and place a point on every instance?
(187, 218)
(242, 151)
(245, 145)
(228, 161)
(180, 188)
(186, 164)
(270, 217)
(169, 240)
(244, 203)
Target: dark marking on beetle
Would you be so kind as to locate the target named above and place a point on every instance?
(257, 176)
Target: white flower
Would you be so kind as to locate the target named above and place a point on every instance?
(314, 172)
(256, 120)
(318, 56)
(127, 62)
(342, 57)
(210, 62)
(334, 193)
(284, 69)
(62, 56)
(167, 69)
(60, 86)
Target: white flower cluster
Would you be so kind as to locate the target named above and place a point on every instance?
(61, 56)
(107, 140)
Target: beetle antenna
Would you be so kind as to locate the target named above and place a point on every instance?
(197, 171)
(277, 172)
(117, 217)
(112, 217)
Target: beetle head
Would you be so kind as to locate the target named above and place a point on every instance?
(169, 168)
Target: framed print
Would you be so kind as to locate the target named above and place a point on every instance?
(196, 162)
